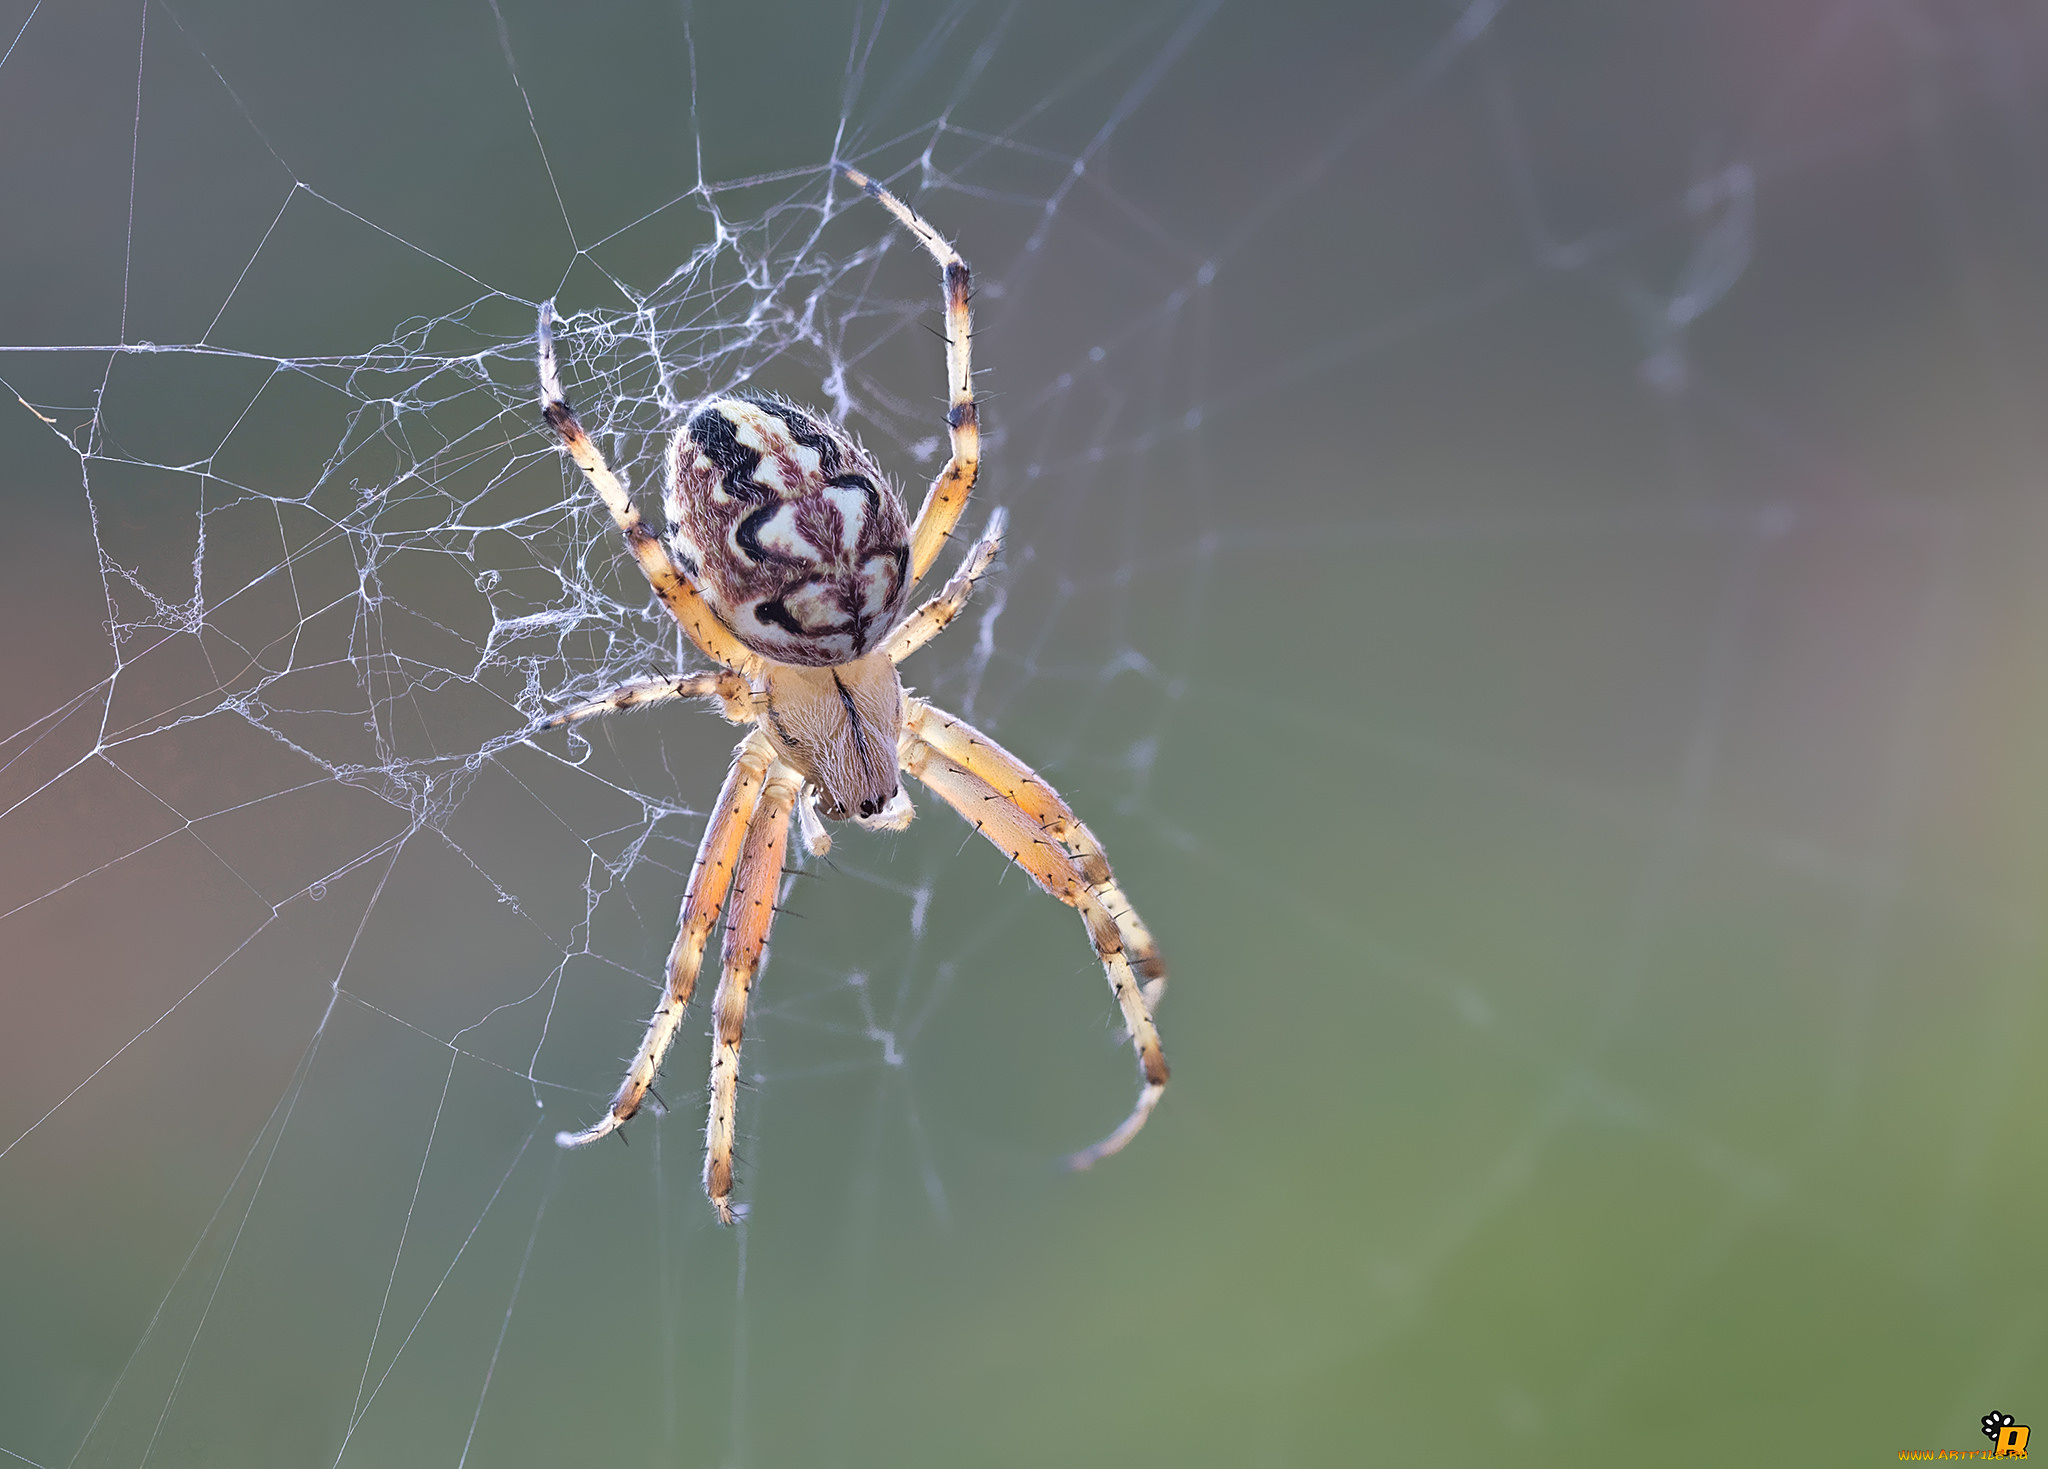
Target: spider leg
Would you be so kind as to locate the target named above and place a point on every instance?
(931, 619)
(682, 600)
(1032, 825)
(949, 492)
(722, 687)
(1018, 784)
(747, 922)
(710, 875)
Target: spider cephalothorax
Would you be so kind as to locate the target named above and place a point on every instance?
(789, 563)
(839, 728)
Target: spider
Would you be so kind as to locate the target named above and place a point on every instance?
(789, 562)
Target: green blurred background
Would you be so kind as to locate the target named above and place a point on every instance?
(1525, 546)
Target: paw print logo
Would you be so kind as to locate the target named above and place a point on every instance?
(2008, 1439)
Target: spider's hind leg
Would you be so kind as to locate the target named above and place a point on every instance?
(955, 482)
(712, 637)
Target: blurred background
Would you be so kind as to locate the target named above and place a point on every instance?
(1525, 540)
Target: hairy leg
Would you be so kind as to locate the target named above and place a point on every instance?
(931, 619)
(710, 876)
(1024, 788)
(1025, 839)
(949, 492)
(713, 637)
(723, 687)
(747, 923)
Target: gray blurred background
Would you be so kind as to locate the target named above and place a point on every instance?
(1525, 543)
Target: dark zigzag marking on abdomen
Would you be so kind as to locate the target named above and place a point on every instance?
(865, 485)
(776, 613)
(749, 538)
(715, 434)
(803, 429)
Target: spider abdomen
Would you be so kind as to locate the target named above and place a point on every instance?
(789, 530)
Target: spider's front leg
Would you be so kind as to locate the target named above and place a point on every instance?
(747, 921)
(710, 876)
(1013, 807)
(1025, 789)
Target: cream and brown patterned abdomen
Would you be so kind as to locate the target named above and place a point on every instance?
(788, 529)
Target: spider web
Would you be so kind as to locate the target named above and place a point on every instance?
(1523, 543)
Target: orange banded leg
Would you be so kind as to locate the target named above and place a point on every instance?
(723, 687)
(1024, 839)
(949, 492)
(931, 619)
(747, 923)
(710, 875)
(684, 604)
(1024, 788)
